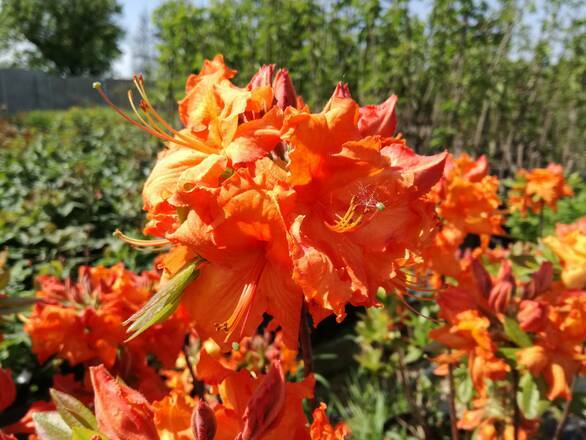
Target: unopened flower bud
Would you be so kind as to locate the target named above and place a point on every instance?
(531, 316)
(500, 296)
(262, 78)
(122, 413)
(540, 281)
(503, 290)
(203, 422)
(482, 277)
(284, 90)
(265, 404)
(342, 90)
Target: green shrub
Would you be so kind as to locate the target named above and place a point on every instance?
(68, 180)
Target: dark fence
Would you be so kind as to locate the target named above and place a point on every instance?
(22, 90)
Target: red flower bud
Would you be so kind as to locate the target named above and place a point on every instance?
(482, 277)
(532, 316)
(263, 77)
(342, 90)
(378, 119)
(265, 404)
(503, 290)
(500, 296)
(284, 90)
(203, 422)
(122, 413)
(7, 389)
(540, 281)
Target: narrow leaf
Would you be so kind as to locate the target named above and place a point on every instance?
(73, 412)
(80, 433)
(510, 353)
(163, 303)
(50, 426)
(516, 334)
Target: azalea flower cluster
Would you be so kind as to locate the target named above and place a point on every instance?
(505, 327)
(269, 218)
(536, 188)
(276, 206)
(82, 323)
(261, 407)
(569, 244)
(468, 203)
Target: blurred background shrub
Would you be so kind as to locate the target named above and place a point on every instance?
(68, 180)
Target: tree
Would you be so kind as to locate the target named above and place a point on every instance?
(143, 47)
(67, 37)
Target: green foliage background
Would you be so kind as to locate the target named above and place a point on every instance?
(503, 78)
(68, 180)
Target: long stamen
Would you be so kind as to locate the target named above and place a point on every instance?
(148, 107)
(150, 128)
(239, 317)
(137, 242)
(417, 312)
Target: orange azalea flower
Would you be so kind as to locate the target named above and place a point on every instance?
(82, 323)
(7, 389)
(321, 429)
(469, 335)
(467, 203)
(361, 211)
(537, 188)
(241, 234)
(172, 416)
(258, 198)
(122, 413)
(487, 426)
(569, 244)
(557, 353)
(263, 408)
(467, 196)
(254, 353)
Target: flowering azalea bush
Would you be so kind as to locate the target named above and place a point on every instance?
(268, 220)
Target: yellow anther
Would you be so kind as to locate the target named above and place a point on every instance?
(349, 221)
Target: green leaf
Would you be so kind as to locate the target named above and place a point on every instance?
(529, 398)
(80, 433)
(516, 334)
(510, 353)
(73, 412)
(50, 426)
(164, 302)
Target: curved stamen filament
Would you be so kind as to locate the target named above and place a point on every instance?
(139, 83)
(150, 127)
(137, 242)
(239, 317)
(349, 221)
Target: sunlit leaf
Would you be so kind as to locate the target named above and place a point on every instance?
(164, 302)
(50, 426)
(73, 412)
(516, 334)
